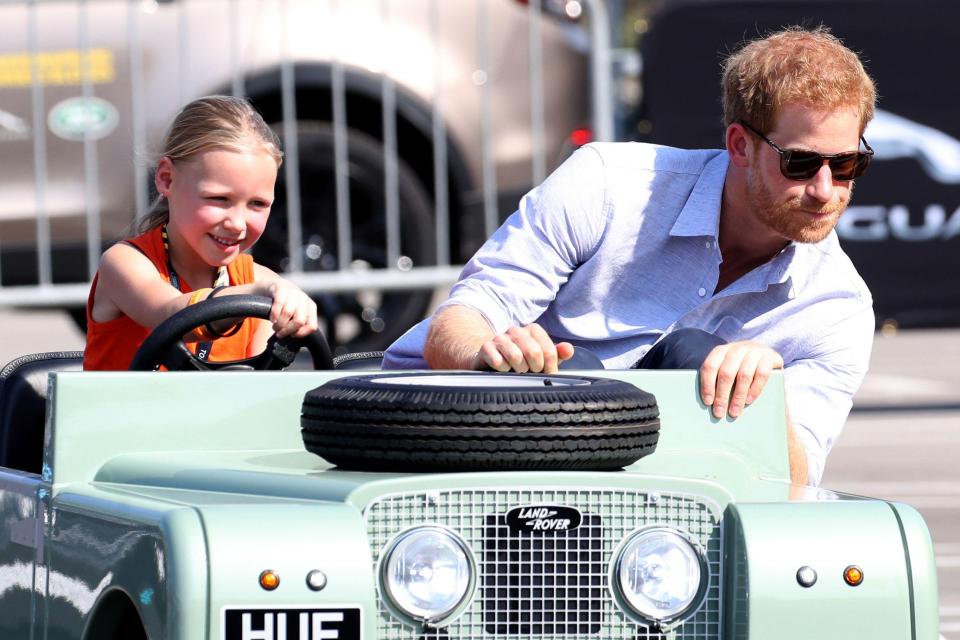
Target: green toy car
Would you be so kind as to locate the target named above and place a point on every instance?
(463, 505)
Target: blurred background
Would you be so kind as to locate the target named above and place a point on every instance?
(411, 129)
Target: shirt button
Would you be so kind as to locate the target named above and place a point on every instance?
(702, 291)
(708, 244)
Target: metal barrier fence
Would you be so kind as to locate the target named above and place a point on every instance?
(385, 107)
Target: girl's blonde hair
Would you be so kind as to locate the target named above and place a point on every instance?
(221, 123)
(794, 66)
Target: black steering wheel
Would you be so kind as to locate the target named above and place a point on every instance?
(165, 346)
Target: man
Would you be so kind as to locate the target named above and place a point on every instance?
(724, 261)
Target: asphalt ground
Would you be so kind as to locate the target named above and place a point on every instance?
(901, 442)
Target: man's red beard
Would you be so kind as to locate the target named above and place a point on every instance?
(791, 219)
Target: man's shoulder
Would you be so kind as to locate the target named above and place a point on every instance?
(653, 157)
(834, 266)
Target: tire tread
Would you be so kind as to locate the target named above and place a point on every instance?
(356, 423)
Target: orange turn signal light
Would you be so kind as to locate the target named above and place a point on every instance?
(269, 580)
(852, 575)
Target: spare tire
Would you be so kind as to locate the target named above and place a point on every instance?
(471, 421)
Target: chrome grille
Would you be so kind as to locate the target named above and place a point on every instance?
(555, 584)
(542, 584)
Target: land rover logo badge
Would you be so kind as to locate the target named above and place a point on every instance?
(75, 118)
(543, 517)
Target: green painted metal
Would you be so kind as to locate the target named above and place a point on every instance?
(100, 415)
(104, 538)
(769, 543)
(21, 548)
(290, 539)
(178, 489)
(921, 566)
(695, 444)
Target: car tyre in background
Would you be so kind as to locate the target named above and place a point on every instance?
(471, 421)
(356, 320)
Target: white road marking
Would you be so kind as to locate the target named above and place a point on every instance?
(930, 502)
(932, 494)
(887, 386)
(928, 431)
(900, 487)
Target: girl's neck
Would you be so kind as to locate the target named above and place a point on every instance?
(190, 267)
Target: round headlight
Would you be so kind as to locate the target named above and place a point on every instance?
(426, 573)
(659, 573)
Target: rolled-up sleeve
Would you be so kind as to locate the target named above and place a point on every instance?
(516, 274)
(820, 388)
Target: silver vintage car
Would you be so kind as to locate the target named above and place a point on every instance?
(411, 128)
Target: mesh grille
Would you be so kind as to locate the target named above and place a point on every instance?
(556, 584)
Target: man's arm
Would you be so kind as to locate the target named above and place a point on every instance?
(455, 336)
(797, 455)
(460, 338)
(514, 278)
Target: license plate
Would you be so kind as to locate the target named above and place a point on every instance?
(258, 623)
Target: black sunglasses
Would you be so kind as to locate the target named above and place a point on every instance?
(796, 164)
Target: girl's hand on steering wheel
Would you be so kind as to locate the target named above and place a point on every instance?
(293, 312)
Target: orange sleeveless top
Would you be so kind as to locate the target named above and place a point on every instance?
(112, 344)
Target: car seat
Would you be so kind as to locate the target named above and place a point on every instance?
(23, 405)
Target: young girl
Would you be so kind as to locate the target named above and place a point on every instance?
(215, 183)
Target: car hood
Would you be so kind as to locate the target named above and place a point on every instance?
(231, 436)
(200, 478)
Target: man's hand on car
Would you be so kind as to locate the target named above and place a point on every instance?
(523, 349)
(734, 374)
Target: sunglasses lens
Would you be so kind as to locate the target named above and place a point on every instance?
(803, 165)
(845, 167)
(796, 164)
(800, 165)
(863, 161)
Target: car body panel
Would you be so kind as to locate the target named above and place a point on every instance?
(290, 538)
(776, 543)
(264, 406)
(151, 550)
(21, 548)
(921, 567)
(173, 52)
(177, 490)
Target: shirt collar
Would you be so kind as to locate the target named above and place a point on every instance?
(795, 264)
(700, 215)
(785, 268)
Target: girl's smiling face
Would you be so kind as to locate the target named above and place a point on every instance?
(219, 204)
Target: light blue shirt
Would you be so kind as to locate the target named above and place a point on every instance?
(618, 247)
